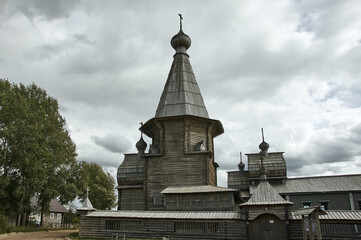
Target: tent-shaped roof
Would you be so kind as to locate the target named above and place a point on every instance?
(181, 94)
(87, 205)
(265, 194)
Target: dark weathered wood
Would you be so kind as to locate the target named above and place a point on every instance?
(216, 201)
(178, 163)
(152, 228)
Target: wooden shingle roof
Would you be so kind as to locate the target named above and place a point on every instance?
(265, 194)
(208, 215)
(181, 94)
(320, 184)
(346, 215)
(197, 189)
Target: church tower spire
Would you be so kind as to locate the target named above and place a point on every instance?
(181, 94)
(182, 148)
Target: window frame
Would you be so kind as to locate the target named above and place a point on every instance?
(52, 215)
(306, 202)
(321, 202)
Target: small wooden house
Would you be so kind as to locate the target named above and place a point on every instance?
(54, 218)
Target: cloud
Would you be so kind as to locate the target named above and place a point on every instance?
(51, 10)
(113, 143)
(290, 67)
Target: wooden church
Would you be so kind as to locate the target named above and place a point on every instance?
(169, 189)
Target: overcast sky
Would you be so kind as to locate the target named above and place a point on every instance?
(291, 67)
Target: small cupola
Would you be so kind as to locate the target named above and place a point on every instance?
(264, 146)
(181, 41)
(141, 145)
(241, 164)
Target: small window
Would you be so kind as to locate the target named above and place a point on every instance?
(196, 227)
(158, 200)
(359, 204)
(58, 216)
(325, 205)
(51, 215)
(306, 204)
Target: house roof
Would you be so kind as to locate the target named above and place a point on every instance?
(265, 194)
(55, 206)
(167, 214)
(181, 94)
(197, 189)
(319, 184)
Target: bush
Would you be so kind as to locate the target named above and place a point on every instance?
(4, 225)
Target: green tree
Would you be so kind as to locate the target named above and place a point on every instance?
(100, 184)
(37, 155)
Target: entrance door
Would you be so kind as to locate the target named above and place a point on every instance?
(267, 227)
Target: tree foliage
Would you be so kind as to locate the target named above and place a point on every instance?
(100, 184)
(38, 157)
(37, 154)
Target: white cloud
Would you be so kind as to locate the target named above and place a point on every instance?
(291, 67)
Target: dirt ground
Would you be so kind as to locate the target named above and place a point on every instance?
(52, 235)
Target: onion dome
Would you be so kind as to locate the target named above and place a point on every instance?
(181, 39)
(241, 166)
(264, 146)
(141, 144)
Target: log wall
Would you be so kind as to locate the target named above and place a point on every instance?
(178, 164)
(158, 228)
(132, 199)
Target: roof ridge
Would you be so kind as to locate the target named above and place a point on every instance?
(324, 176)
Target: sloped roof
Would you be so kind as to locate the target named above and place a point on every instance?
(197, 189)
(181, 94)
(320, 184)
(54, 205)
(87, 205)
(265, 194)
(167, 214)
(346, 215)
(309, 210)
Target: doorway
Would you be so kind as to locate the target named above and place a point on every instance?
(267, 227)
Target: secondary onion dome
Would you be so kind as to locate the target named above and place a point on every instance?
(181, 39)
(241, 166)
(141, 144)
(263, 146)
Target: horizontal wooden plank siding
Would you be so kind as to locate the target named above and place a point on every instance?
(147, 229)
(179, 164)
(132, 199)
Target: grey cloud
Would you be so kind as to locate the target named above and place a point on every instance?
(61, 49)
(294, 164)
(81, 37)
(324, 151)
(305, 23)
(113, 143)
(49, 9)
(108, 72)
(101, 159)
